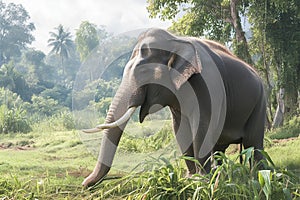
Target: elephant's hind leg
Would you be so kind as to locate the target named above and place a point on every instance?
(254, 129)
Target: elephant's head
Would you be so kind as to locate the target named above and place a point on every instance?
(160, 65)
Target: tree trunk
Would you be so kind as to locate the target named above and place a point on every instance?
(298, 100)
(1, 59)
(279, 115)
(241, 46)
(62, 65)
(269, 86)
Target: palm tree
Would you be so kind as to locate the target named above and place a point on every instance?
(61, 43)
(8, 75)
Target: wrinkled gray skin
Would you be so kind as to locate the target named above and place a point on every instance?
(150, 63)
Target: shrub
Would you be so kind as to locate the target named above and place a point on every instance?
(13, 120)
(67, 120)
(61, 121)
(101, 107)
(290, 129)
(85, 119)
(44, 106)
(147, 144)
(9, 98)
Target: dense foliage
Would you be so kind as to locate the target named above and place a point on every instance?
(15, 31)
(44, 83)
(264, 33)
(87, 38)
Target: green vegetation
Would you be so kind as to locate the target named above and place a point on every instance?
(159, 140)
(290, 129)
(36, 87)
(14, 120)
(82, 72)
(265, 34)
(48, 164)
(41, 164)
(42, 157)
(230, 180)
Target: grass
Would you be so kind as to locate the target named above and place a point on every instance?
(164, 178)
(52, 165)
(39, 164)
(285, 154)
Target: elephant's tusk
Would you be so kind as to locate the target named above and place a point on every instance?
(91, 130)
(119, 122)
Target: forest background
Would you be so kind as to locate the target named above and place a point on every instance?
(46, 97)
(35, 86)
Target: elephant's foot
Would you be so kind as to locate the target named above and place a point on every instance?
(191, 172)
(91, 180)
(100, 171)
(193, 176)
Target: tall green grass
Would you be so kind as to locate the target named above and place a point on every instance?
(164, 178)
(230, 180)
(42, 188)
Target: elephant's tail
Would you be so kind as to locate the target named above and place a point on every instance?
(241, 148)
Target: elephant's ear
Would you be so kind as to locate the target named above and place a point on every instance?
(184, 62)
(215, 85)
(194, 58)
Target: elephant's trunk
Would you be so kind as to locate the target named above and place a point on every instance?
(111, 137)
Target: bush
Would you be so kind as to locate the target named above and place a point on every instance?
(13, 120)
(100, 107)
(147, 144)
(86, 119)
(290, 129)
(44, 106)
(67, 120)
(10, 99)
(61, 121)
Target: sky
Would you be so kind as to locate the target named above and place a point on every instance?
(118, 16)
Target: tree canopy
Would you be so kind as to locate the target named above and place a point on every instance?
(216, 19)
(270, 41)
(87, 39)
(15, 30)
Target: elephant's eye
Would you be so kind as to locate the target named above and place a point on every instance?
(145, 51)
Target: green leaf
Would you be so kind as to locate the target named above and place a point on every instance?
(287, 194)
(266, 155)
(264, 178)
(248, 153)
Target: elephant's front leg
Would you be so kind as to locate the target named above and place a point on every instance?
(203, 155)
(185, 140)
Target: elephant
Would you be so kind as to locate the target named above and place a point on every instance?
(215, 98)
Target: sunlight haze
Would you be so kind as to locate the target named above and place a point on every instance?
(117, 16)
